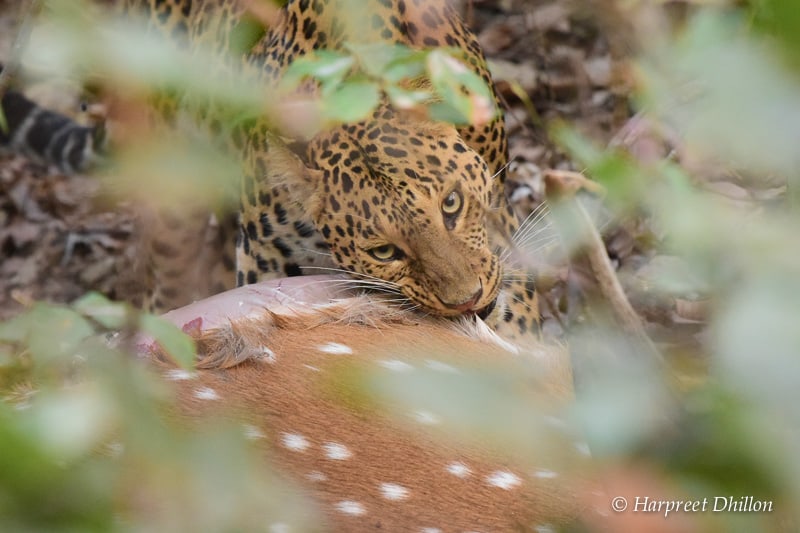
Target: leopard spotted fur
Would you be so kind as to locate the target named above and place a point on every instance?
(415, 207)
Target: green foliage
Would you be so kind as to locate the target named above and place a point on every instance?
(728, 92)
(779, 21)
(174, 341)
(86, 443)
(69, 328)
(465, 97)
(352, 82)
(352, 101)
(496, 404)
(247, 32)
(40, 492)
(97, 307)
(727, 83)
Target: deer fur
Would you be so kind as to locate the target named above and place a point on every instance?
(287, 372)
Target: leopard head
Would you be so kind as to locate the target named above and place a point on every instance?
(406, 203)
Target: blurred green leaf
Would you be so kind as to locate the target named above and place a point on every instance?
(179, 346)
(71, 423)
(460, 88)
(352, 101)
(444, 112)
(622, 400)
(15, 329)
(55, 332)
(111, 315)
(500, 405)
(780, 21)
(406, 99)
(758, 344)
(716, 445)
(247, 32)
(327, 66)
(350, 94)
(76, 40)
(40, 492)
(376, 58)
(406, 65)
(444, 73)
(624, 180)
(698, 85)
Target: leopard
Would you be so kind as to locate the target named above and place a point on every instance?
(412, 207)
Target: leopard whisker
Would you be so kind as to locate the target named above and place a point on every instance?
(531, 221)
(534, 230)
(533, 239)
(316, 252)
(535, 212)
(501, 169)
(540, 245)
(366, 285)
(526, 304)
(531, 228)
(353, 282)
(374, 289)
(373, 286)
(358, 275)
(503, 256)
(515, 278)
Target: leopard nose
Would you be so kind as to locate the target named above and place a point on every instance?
(468, 304)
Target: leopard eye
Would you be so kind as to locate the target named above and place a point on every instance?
(452, 203)
(385, 252)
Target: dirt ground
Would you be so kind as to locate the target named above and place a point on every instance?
(59, 237)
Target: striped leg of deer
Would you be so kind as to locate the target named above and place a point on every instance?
(374, 412)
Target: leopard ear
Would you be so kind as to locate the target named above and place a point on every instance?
(286, 169)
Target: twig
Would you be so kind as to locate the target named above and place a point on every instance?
(561, 187)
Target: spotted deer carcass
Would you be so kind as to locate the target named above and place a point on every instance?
(388, 421)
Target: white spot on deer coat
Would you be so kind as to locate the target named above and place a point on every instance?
(252, 432)
(395, 365)
(316, 476)
(426, 417)
(336, 451)
(280, 527)
(335, 348)
(393, 491)
(176, 374)
(545, 474)
(206, 393)
(459, 469)
(350, 507)
(439, 366)
(295, 442)
(503, 479)
(583, 448)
